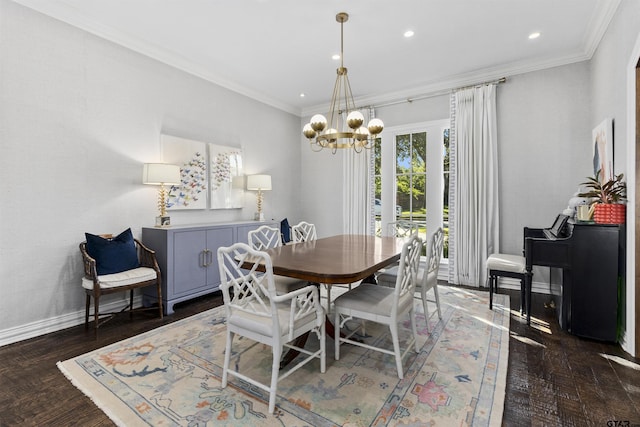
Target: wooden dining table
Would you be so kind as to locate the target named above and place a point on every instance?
(340, 259)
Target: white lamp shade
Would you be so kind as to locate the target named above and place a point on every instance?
(160, 173)
(259, 182)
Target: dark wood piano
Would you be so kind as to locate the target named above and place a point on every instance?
(592, 259)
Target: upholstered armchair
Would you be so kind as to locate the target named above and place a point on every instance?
(117, 264)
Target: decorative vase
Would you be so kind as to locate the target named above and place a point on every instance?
(609, 213)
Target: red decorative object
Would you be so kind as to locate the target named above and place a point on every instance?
(609, 213)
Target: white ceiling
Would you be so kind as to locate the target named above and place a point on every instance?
(273, 50)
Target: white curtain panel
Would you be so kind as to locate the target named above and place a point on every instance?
(357, 194)
(473, 216)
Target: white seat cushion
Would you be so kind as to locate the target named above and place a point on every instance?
(264, 325)
(506, 262)
(124, 278)
(373, 299)
(285, 284)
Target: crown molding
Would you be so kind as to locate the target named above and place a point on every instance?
(599, 23)
(442, 87)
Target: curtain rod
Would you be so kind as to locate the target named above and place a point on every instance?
(439, 93)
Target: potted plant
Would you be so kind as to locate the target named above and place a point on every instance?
(608, 198)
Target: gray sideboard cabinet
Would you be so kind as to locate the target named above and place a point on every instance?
(187, 256)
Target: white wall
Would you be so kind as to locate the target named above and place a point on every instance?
(612, 96)
(544, 147)
(79, 116)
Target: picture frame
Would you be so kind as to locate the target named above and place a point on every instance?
(602, 140)
(191, 156)
(226, 177)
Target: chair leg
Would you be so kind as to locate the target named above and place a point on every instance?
(396, 350)
(328, 297)
(275, 371)
(227, 358)
(491, 278)
(523, 298)
(435, 291)
(96, 313)
(131, 304)
(86, 312)
(527, 281)
(414, 329)
(423, 294)
(323, 348)
(336, 335)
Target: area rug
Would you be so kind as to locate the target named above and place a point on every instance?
(170, 376)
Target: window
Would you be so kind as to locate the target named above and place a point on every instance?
(411, 176)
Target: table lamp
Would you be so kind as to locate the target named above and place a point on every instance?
(260, 183)
(161, 174)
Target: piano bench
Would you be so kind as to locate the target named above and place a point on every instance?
(505, 265)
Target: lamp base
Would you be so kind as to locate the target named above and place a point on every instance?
(259, 216)
(163, 221)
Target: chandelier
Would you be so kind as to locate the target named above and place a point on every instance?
(337, 135)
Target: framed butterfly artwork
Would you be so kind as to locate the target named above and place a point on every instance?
(191, 156)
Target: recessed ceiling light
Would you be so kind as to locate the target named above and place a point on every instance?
(408, 33)
(335, 57)
(302, 95)
(534, 35)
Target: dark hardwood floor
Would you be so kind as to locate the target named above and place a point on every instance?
(554, 379)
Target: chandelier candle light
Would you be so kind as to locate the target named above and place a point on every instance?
(161, 174)
(260, 183)
(356, 136)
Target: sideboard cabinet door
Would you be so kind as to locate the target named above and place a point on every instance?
(195, 260)
(188, 257)
(216, 238)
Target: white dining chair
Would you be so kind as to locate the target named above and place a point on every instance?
(383, 305)
(255, 310)
(303, 232)
(402, 228)
(266, 237)
(427, 273)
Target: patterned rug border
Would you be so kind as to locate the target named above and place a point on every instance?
(489, 396)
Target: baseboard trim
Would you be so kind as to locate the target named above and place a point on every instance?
(57, 323)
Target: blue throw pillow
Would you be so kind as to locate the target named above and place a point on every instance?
(285, 230)
(113, 255)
